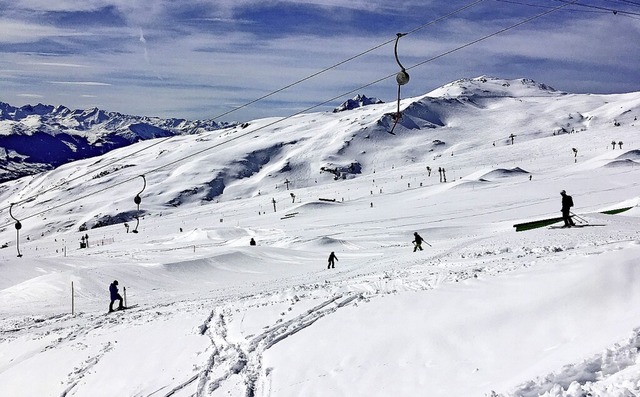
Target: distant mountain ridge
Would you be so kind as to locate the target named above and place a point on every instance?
(42, 137)
(358, 101)
(491, 87)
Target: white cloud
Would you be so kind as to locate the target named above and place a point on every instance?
(80, 83)
(30, 96)
(57, 64)
(13, 31)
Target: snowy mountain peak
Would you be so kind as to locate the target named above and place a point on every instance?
(488, 87)
(356, 102)
(42, 137)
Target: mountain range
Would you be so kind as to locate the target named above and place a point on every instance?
(481, 309)
(202, 161)
(41, 137)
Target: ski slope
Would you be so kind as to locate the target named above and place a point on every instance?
(482, 311)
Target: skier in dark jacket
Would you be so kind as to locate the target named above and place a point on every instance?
(115, 296)
(417, 242)
(332, 257)
(567, 203)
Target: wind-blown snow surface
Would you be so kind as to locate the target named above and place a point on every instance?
(482, 311)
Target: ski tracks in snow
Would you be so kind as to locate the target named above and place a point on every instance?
(78, 373)
(239, 365)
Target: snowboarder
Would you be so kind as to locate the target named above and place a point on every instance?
(252, 242)
(417, 242)
(115, 296)
(620, 144)
(332, 257)
(429, 170)
(567, 203)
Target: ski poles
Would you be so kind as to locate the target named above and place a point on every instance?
(580, 219)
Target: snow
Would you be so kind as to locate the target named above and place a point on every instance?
(482, 311)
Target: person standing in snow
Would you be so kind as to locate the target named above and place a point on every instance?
(115, 296)
(567, 203)
(332, 258)
(417, 242)
(252, 242)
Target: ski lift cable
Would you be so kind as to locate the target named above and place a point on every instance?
(614, 10)
(628, 2)
(596, 9)
(446, 16)
(93, 171)
(513, 26)
(548, 7)
(496, 33)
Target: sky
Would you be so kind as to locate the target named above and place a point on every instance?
(199, 59)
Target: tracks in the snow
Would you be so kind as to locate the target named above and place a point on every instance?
(240, 364)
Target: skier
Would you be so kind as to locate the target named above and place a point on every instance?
(332, 257)
(115, 296)
(417, 242)
(567, 203)
(252, 242)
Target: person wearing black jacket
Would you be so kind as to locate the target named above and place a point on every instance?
(417, 242)
(115, 296)
(332, 259)
(567, 203)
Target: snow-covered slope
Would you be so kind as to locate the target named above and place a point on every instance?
(482, 311)
(41, 137)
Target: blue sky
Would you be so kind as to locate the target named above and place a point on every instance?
(198, 59)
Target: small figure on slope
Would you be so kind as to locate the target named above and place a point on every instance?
(252, 242)
(567, 203)
(332, 259)
(115, 296)
(417, 242)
